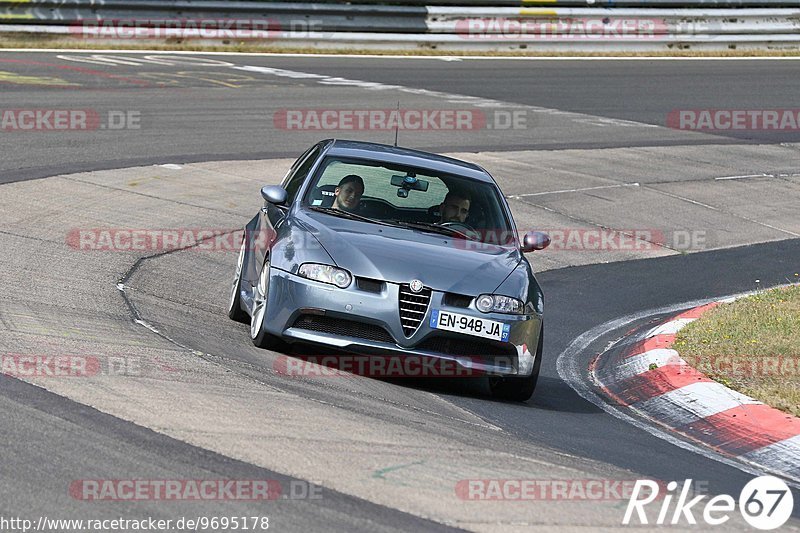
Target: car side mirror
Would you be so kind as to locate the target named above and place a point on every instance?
(535, 240)
(274, 194)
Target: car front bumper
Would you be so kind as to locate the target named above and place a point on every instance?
(351, 320)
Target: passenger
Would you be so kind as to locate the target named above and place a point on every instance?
(455, 207)
(347, 195)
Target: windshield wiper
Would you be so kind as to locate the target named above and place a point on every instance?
(432, 228)
(346, 214)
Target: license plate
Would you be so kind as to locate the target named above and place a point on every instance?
(470, 325)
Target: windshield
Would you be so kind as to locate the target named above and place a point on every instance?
(413, 198)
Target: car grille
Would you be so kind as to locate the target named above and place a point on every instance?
(413, 307)
(497, 353)
(345, 328)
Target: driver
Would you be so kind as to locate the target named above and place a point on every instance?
(347, 194)
(455, 207)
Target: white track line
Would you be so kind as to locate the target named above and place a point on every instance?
(527, 195)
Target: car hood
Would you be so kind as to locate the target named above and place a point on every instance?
(400, 255)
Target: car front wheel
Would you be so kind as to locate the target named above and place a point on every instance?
(258, 334)
(519, 389)
(235, 311)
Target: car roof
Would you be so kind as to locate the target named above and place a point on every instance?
(409, 157)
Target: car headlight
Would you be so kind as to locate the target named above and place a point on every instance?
(326, 274)
(495, 303)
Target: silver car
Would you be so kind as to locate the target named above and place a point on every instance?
(383, 251)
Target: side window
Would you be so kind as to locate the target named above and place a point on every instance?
(297, 176)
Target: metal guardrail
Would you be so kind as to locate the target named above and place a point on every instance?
(456, 27)
(359, 6)
(327, 17)
(451, 42)
(530, 24)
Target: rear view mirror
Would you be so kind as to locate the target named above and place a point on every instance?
(274, 194)
(409, 183)
(535, 240)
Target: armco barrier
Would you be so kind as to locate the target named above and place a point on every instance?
(532, 23)
(214, 5)
(328, 17)
(471, 25)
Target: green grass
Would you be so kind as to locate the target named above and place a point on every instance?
(751, 345)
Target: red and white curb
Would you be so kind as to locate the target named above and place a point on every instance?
(653, 380)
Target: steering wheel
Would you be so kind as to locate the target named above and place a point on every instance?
(461, 227)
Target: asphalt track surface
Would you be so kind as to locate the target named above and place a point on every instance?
(194, 121)
(191, 111)
(47, 439)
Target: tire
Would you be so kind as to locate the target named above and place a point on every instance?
(258, 334)
(519, 389)
(235, 311)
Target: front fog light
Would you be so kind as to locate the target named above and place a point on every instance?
(485, 303)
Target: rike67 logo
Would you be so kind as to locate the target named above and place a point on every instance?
(765, 503)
